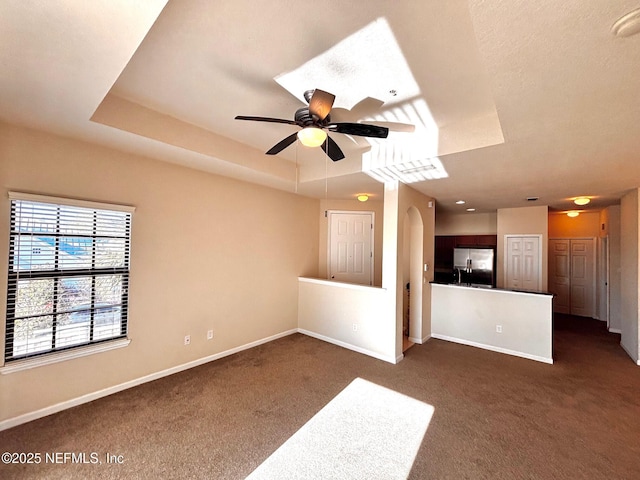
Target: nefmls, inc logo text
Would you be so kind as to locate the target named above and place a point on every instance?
(27, 458)
(72, 457)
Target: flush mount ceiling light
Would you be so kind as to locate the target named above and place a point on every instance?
(312, 136)
(581, 200)
(363, 197)
(573, 213)
(460, 202)
(471, 209)
(627, 25)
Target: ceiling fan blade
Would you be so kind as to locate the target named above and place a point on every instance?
(332, 149)
(282, 144)
(360, 129)
(321, 103)
(395, 126)
(266, 119)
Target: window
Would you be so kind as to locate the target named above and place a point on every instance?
(68, 274)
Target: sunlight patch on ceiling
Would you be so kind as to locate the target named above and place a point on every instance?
(411, 171)
(409, 158)
(368, 63)
(373, 83)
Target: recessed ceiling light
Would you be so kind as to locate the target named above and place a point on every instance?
(627, 25)
(460, 202)
(581, 200)
(471, 209)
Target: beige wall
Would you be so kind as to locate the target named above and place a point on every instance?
(408, 198)
(587, 224)
(375, 206)
(523, 221)
(466, 223)
(605, 222)
(612, 228)
(207, 253)
(630, 257)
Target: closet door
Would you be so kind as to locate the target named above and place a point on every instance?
(583, 278)
(522, 262)
(560, 274)
(572, 276)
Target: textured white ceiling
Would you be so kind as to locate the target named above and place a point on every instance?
(526, 98)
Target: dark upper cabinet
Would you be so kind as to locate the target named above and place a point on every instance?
(487, 240)
(443, 252)
(466, 240)
(475, 240)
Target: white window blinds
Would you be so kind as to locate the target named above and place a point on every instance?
(68, 274)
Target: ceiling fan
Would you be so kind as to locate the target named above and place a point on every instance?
(314, 120)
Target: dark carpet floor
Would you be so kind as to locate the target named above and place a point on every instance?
(496, 416)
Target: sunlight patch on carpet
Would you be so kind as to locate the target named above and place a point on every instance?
(365, 432)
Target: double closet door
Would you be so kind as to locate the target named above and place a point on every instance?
(572, 276)
(523, 267)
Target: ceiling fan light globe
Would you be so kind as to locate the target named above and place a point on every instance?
(312, 136)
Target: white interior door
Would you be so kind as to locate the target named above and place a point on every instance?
(351, 247)
(583, 278)
(572, 276)
(531, 263)
(523, 271)
(560, 274)
(514, 262)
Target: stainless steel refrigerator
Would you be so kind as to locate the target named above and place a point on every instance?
(473, 265)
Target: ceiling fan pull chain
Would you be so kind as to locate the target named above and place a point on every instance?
(296, 188)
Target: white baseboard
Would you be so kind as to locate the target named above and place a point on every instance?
(615, 330)
(420, 340)
(515, 353)
(635, 359)
(349, 346)
(58, 407)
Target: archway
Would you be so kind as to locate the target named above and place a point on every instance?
(412, 261)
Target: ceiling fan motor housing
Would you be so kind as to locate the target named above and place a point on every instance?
(308, 94)
(304, 118)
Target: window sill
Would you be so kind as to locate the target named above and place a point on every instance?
(29, 363)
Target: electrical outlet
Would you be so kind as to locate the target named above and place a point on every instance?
(499, 328)
(209, 334)
(187, 339)
(355, 327)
